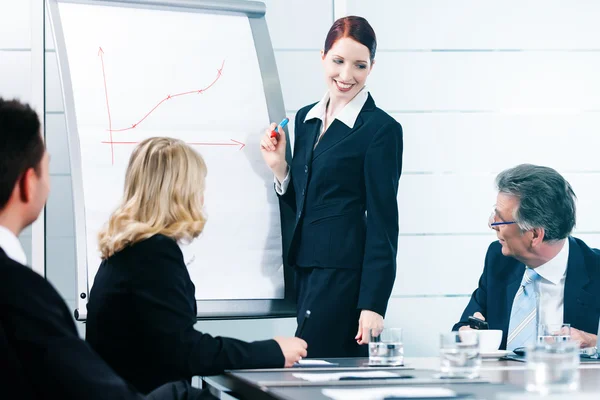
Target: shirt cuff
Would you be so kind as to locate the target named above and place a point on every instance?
(281, 187)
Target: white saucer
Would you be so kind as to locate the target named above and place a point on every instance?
(494, 354)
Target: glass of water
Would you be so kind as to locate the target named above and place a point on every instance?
(459, 355)
(553, 333)
(552, 368)
(386, 347)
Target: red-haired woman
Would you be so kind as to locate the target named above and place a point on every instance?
(343, 184)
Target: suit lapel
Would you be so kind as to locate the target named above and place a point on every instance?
(338, 131)
(311, 138)
(577, 278)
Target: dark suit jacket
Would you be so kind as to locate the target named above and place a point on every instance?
(349, 172)
(141, 316)
(502, 277)
(41, 354)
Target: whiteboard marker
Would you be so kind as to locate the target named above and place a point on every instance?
(282, 125)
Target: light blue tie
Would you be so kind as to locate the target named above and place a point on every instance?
(522, 328)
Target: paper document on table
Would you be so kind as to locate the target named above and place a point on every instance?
(381, 393)
(336, 376)
(312, 363)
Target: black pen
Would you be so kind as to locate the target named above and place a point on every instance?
(306, 316)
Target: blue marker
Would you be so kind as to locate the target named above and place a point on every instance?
(282, 124)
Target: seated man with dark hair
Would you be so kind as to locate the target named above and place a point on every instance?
(41, 354)
(536, 273)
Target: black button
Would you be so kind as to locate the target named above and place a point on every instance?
(303, 191)
(306, 169)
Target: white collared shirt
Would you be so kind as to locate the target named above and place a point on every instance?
(11, 246)
(551, 287)
(347, 115)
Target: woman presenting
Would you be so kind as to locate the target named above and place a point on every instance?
(342, 183)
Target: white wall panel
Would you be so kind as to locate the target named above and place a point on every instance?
(445, 203)
(586, 188)
(54, 99)
(501, 82)
(15, 24)
(299, 24)
(61, 271)
(475, 24)
(15, 75)
(509, 82)
(48, 34)
(302, 78)
(437, 265)
(57, 144)
(422, 321)
(458, 141)
(59, 209)
(448, 203)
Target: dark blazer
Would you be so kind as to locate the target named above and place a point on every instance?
(502, 277)
(141, 316)
(350, 172)
(41, 354)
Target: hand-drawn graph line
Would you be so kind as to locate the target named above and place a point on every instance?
(167, 98)
(234, 143)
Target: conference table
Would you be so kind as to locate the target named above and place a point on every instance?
(499, 379)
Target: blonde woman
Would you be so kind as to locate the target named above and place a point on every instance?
(142, 306)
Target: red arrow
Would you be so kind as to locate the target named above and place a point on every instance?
(235, 143)
(112, 150)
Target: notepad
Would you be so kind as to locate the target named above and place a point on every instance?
(381, 393)
(336, 376)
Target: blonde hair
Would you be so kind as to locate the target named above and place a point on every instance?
(164, 194)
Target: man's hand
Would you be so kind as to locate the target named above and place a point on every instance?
(467, 327)
(585, 339)
(368, 320)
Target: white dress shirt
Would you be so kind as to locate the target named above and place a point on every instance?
(11, 246)
(347, 115)
(551, 287)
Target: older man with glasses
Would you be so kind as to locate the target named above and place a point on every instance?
(536, 273)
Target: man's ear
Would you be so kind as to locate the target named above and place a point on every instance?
(26, 183)
(538, 235)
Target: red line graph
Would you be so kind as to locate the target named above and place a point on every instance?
(112, 149)
(235, 143)
(167, 98)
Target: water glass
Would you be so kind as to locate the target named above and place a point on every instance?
(552, 367)
(386, 347)
(553, 333)
(459, 355)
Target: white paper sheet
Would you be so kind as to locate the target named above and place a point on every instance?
(138, 73)
(319, 377)
(381, 393)
(313, 363)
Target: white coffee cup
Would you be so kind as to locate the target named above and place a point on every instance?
(489, 340)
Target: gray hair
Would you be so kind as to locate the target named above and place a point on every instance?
(546, 199)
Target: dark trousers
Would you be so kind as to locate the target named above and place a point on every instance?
(331, 295)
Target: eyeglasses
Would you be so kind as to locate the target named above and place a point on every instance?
(492, 221)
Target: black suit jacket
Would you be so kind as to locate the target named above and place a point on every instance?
(344, 194)
(41, 354)
(141, 316)
(502, 277)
